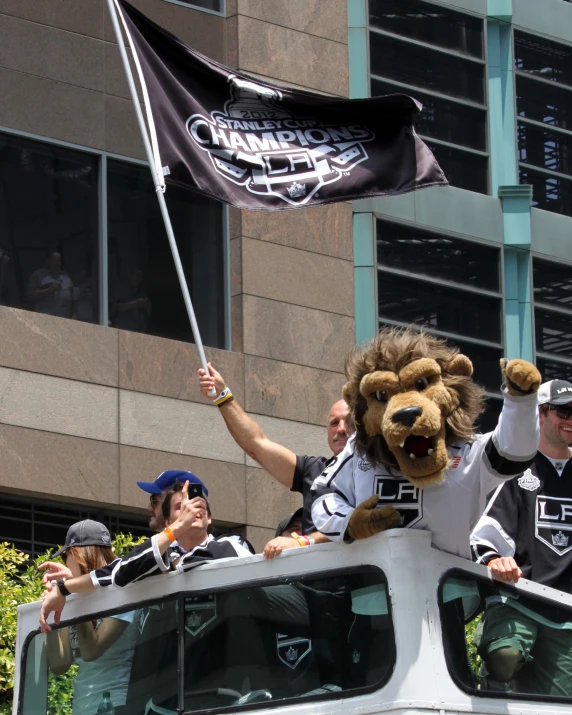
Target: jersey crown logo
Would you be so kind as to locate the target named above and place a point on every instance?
(559, 539)
(528, 481)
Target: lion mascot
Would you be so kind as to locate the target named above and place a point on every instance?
(414, 459)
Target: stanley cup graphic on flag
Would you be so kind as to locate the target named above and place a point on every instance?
(259, 147)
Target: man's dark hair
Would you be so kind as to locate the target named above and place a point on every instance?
(168, 497)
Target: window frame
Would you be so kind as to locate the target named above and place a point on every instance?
(102, 253)
(458, 571)
(180, 596)
(548, 173)
(410, 89)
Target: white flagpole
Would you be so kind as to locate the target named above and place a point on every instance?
(159, 182)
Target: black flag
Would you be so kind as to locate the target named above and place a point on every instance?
(260, 147)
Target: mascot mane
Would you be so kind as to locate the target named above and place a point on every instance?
(391, 350)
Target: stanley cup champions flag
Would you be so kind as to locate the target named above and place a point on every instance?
(260, 147)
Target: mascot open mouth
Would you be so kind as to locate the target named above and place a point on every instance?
(417, 446)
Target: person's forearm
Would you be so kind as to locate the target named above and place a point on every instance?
(319, 538)
(59, 658)
(79, 584)
(246, 433)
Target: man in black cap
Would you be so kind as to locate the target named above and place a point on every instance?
(526, 530)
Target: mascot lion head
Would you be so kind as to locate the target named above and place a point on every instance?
(410, 396)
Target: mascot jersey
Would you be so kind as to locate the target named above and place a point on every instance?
(451, 509)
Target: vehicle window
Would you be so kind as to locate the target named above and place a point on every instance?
(500, 642)
(307, 638)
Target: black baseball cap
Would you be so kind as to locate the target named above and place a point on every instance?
(555, 392)
(85, 533)
(287, 520)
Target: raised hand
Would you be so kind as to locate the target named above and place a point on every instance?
(53, 572)
(521, 377)
(367, 520)
(207, 382)
(191, 510)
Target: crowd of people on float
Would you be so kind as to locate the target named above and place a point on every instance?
(507, 538)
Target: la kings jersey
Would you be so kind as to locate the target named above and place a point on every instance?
(449, 510)
(530, 519)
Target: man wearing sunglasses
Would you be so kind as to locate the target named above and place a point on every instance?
(526, 530)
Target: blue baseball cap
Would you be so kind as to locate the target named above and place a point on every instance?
(167, 479)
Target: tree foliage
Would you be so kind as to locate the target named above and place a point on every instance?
(21, 582)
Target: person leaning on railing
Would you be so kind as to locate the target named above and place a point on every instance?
(103, 650)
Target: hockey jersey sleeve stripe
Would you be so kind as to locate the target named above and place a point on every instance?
(329, 513)
(347, 459)
(206, 552)
(504, 467)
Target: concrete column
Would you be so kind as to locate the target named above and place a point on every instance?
(516, 201)
(363, 223)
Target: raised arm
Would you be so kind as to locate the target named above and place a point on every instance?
(278, 461)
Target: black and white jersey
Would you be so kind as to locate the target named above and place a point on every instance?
(146, 560)
(530, 519)
(449, 510)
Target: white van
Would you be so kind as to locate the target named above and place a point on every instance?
(379, 626)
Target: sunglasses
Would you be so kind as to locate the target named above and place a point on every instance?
(155, 499)
(564, 413)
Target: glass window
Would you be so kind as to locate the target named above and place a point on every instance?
(144, 292)
(552, 283)
(444, 119)
(48, 229)
(551, 193)
(545, 148)
(501, 642)
(454, 259)
(305, 639)
(35, 525)
(543, 102)
(429, 23)
(540, 64)
(442, 308)
(541, 58)
(214, 5)
(552, 290)
(435, 55)
(426, 69)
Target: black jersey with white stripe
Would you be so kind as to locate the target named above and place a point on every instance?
(450, 509)
(146, 560)
(530, 519)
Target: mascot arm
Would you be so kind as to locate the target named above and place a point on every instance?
(512, 446)
(496, 531)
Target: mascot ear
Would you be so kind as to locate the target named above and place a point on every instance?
(350, 393)
(459, 365)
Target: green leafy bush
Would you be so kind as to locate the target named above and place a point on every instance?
(21, 582)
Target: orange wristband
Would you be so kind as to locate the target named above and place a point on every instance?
(169, 534)
(302, 540)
